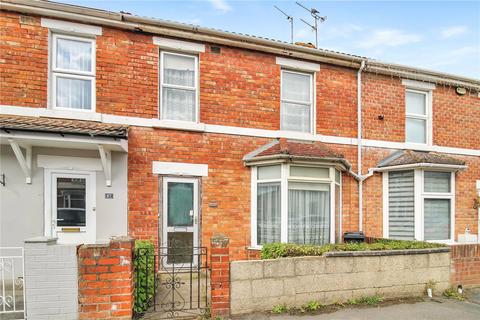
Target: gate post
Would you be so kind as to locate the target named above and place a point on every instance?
(220, 276)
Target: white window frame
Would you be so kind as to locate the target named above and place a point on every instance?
(284, 180)
(55, 72)
(427, 116)
(195, 88)
(419, 207)
(311, 104)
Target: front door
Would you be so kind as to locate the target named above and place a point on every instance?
(72, 206)
(180, 220)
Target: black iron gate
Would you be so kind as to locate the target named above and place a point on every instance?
(175, 282)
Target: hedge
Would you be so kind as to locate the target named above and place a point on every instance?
(144, 262)
(281, 250)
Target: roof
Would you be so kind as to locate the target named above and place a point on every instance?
(125, 20)
(405, 157)
(65, 126)
(292, 149)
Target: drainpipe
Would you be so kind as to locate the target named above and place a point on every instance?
(359, 145)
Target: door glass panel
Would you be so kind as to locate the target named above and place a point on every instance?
(180, 247)
(71, 199)
(180, 204)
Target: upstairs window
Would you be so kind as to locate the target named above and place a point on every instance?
(179, 87)
(296, 101)
(416, 124)
(73, 72)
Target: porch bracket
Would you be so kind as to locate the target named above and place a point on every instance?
(106, 158)
(24, 161)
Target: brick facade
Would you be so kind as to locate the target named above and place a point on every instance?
(465, 267)
(239, 88)
(105, 280)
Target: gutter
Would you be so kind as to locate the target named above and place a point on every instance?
(197, 33)
(453, 167)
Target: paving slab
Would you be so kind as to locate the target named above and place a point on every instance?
(435, 309)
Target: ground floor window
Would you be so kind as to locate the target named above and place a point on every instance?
(419, 204)
(294, 203)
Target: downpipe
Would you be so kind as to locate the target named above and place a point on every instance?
(359, 146)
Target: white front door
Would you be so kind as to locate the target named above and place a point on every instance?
(180, 220)
(70, 206)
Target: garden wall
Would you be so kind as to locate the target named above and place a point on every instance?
(465, 265)
(336, 277)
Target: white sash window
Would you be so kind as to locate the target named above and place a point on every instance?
(72, 72)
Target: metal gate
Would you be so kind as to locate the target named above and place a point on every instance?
(180, 282)
(12, 293)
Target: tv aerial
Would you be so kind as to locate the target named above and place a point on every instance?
(290, 19)
(316, 16)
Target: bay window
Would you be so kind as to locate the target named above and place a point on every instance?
(420, 205)
(72, 72)
(294, 203)
(296, 110)
(178, 87)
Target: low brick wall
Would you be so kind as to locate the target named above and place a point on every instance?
(465, 265)
(51, 279)
(336, 277)
(105, 277)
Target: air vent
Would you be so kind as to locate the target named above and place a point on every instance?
(215, 49)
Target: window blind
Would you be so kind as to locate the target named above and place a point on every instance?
(401, 208)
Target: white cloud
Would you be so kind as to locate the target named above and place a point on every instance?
(221, 5)
(445, 58)
(388, 38)
(453, 31)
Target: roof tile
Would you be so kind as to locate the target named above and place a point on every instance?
(54, 125)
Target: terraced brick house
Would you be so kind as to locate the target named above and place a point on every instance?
(114, 124)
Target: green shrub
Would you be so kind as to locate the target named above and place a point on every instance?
(280, 250)
(452, 293)
(281, 308)
(144, 263)
(311, 306)
(368, 300)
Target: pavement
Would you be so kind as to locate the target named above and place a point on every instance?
(430, 309)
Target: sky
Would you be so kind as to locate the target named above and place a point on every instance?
(436, 35)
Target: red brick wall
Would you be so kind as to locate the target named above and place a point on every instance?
(105, 280)
(23, 61)
(238, 87)
(220, 277)
(227, 184)
(465, 268)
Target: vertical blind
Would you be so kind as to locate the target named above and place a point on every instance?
(401, 209)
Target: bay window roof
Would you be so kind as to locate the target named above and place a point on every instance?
(290, 150)
(410, 157)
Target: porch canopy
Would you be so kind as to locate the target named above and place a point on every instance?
(28, 132)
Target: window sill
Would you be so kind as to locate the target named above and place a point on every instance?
(179, 125)
(70, 114)
(255, 248)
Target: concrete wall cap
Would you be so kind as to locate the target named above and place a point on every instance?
(386, 252)
(41, 239)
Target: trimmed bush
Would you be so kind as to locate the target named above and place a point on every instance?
(282, 250)
(144, 262)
